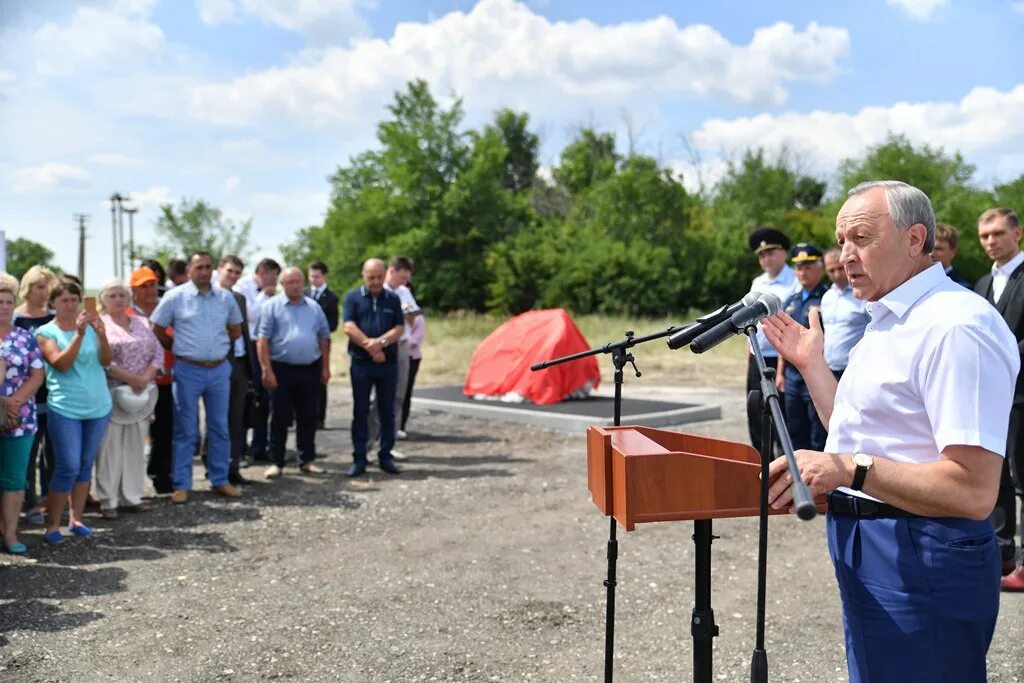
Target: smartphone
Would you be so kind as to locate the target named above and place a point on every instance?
(90, 304)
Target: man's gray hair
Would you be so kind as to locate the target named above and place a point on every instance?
(907, 206)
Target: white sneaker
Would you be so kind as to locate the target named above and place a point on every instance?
(398, 456)
(272, 472)
(401, 434)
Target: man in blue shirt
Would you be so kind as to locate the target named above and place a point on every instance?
(843, 315)
(770, 245)
(206, 322)
(373, 322)
(294, 343)
(805, 428)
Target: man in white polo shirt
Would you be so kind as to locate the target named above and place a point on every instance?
(916, 438)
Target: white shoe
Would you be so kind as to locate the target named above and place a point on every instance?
(401, 434)
(272, 472)
(398, 456)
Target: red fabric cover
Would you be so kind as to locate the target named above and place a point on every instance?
(501, 363)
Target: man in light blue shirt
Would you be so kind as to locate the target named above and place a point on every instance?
(294, 343)
(843, 315)
(771, 247)
(206, 322)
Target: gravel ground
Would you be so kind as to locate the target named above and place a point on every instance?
(484, 561)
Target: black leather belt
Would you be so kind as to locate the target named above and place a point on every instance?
(855, 506)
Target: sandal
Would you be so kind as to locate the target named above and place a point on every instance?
(80, 530)
(54, 537)
(132, 509)
(15, 548)
(110, 513)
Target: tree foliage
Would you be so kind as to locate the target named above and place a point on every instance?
(23, 253)
(195, 225)
(602, 231)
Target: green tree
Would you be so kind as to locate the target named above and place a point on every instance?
(587, 160)
(23, 253)
(195, 225)
(520, 149)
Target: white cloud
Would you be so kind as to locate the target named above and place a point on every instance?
(152, 197)
(96, 38)
(919, 9)
(232, 183)
(50, 178)
(985, 119)
(7, 79)
(322, 22)
(214, 12)
(483, 53)
(243, 146)
(114, 160)
(1017, 6)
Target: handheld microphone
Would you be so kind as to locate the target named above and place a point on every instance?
(686, 335)
(767, 304)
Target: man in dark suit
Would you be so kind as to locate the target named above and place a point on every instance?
(228, 271)
(947, 241)
(319, 292)
(1000, 233)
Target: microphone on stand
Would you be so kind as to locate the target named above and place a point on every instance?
(767, 304)
(704, 323)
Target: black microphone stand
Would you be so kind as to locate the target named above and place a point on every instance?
(772, 420)
(620, 356)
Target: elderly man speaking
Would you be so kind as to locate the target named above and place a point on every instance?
(916, 437)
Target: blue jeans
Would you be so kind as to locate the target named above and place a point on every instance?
(920, 596)
(75, 445)
(805, 428)
(367, 375)
(213, 385)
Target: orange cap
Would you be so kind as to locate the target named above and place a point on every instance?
(141, 276)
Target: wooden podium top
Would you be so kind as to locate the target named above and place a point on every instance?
(640, 474)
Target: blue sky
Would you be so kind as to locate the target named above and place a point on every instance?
(251, 104)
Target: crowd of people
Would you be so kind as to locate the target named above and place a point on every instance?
(843, 318)
(95, 384)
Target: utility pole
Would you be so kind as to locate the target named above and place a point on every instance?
(131, 210)
(82, 219)
(115, 205)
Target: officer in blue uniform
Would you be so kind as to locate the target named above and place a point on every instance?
(805, 429)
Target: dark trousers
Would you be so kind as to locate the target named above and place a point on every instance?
(754, 414)
(1005, 518)
(805, 428)
(41, 445)
(295, 398)
(321, 404)
(366, 376)
(260, 412)
(240, 373)
(161, 434)
(414, 367)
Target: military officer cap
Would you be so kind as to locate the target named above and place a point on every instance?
(804, 252)
(765, 238)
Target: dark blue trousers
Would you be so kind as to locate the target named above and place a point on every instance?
(383, 377)
(920, 596)
(805, 429)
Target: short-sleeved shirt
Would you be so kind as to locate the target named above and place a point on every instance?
(375, 316)
(293, 330)
(798, 306)
(408, 305)
(200, 321)
(844, 318)
(30, 325)
(20, 352)
(936, 367)
(80, 393)
(254, 300)
(782, 285)
(134, 349)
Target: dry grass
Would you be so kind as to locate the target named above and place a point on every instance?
(451, 340)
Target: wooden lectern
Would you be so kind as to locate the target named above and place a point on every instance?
(640, 474)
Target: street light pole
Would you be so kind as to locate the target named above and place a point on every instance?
(82, 219)
(115, 200)
(130, 210)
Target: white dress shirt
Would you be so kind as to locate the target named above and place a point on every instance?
(782, 285)
(844, 318)
(936, 367)
(1001, 275)
(250, 289)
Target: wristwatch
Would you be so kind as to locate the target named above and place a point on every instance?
(863, 461)
(383, 342)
